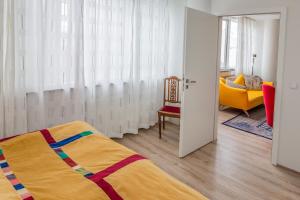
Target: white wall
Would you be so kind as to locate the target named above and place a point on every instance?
(203, 5)
(270, 50)
(266, 48)
(289, 141)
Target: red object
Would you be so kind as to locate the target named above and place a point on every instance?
(171, 109)
(108, 189)
(48, 137)
(110, 170)
(98, 178)
(29, 198)
(70, 162)
(269, 99)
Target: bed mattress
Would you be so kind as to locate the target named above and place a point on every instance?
(75, 162)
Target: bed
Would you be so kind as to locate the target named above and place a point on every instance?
(75, 162)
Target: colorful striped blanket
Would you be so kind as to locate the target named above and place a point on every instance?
(75, 162)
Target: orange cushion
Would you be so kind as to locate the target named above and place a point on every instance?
(171, 109)
(240, 80)
(268, 83)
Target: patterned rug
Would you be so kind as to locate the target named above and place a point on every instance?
(255, 124)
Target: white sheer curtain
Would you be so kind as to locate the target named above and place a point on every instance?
(245, 49)
(102, 61)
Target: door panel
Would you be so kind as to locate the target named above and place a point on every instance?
(200, 79)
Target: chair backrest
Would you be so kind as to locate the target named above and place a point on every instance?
(171, 90)
(269, 99)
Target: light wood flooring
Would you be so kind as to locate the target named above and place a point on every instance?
(237, 166)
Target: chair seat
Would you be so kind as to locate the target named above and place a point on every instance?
(171, 109)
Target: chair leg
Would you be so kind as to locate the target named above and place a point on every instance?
(246, 112)
(159, 125)
(164, 122)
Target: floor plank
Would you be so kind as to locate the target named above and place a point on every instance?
(237, 166)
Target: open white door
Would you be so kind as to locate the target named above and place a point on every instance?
(200, 78)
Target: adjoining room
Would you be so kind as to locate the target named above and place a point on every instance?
(248, 72)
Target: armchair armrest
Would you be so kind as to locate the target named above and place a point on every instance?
(233, 97)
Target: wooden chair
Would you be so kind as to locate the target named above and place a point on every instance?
(171, 95)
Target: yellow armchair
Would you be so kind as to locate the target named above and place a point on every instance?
(239, 98)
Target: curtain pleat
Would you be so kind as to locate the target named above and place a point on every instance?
(102, 61)
(245, 49)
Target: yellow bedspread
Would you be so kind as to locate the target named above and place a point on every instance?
(75, 162)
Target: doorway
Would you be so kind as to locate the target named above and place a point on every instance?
(249, 54)
(229, 23)
(200, 107)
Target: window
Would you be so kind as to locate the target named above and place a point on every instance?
(229, 43)
(233, 43)
(224, 43)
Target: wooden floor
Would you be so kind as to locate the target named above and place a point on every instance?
(237, 166)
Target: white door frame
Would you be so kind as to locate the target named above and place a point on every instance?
(280, 71)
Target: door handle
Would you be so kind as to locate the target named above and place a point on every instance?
(187, 81)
